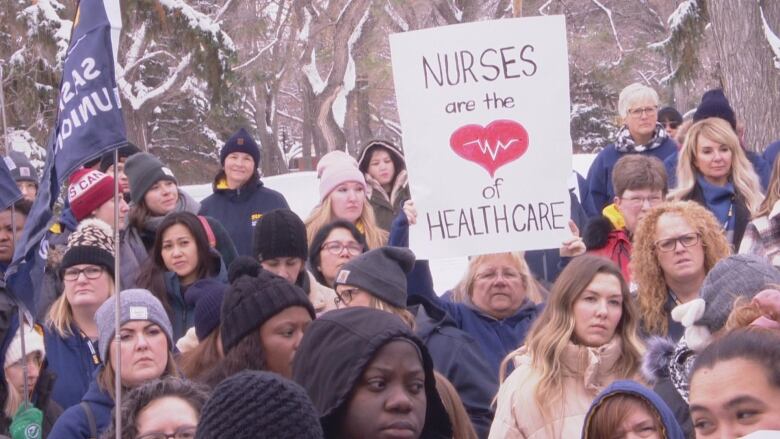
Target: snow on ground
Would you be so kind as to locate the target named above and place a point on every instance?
(302, 194)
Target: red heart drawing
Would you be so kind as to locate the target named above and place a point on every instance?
(500, 142)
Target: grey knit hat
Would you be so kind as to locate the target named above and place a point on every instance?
(143, 171)
(21, 168)
(381, 272)
(732, 277)
(134, 304)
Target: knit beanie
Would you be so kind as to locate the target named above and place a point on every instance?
(253, 298)
(715, 104)
(240, 141)
(107, 160)
(88, 190)
(91, 243)
(669, 114)
(258, 405)
(21, 168)
(280, 233)
(335, 168)
(134, 305)
(396, 155)
(143, 170)
(206, 296)
(732, 277)
(33, 341)
(380, 272)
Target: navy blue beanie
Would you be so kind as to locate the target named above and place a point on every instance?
(206, 294)
(715, 104)
(241, 141)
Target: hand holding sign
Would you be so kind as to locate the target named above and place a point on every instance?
(500, 142)
(574, 246)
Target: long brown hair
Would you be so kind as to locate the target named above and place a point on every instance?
(198, 362)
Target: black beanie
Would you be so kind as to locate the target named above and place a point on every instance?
(240, 141)
(258, 405)
(206, 295)
(107, 160)
(669, 114)
(381, 272)
(251, 300)
(91, 243)
(143, 170)
(280, 233)
(714, 104)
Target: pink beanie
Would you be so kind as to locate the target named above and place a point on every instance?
(335, 168)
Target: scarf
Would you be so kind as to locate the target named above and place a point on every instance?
(625, 143)
(720, 201)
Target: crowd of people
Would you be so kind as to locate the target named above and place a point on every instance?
(239, 319)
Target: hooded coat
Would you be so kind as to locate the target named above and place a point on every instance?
(386, 205)
(672, 429)
(73, 423)
(70, 358)
(239, 209)
(335, 350)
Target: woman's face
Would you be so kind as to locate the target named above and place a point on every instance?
(105, 212)
(639, 424)
(162, 197)
(349, 296)
(597, 311)
(83, 292)
(286, 267)
(339, 247)
(641, 119)
(713, 160)
(144, 350)
(681, 262)
(732, 399)
(239, 166)
(499, 289)
(280, 336)
(381, 167)
(167, 416)
(14, 373)
(180, 253)
(347, 201)
(389, 399)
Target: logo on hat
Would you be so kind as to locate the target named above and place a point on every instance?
(240, 141)
(167, 171)
(342, 276)
(24, 172)
(139, 313)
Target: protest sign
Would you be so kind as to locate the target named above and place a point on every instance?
(484, 109)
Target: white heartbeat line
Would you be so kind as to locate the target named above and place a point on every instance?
(486, 148)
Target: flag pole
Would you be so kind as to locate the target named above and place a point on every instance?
(6, 142)
(117, 313)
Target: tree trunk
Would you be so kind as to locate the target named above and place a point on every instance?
(748, 74)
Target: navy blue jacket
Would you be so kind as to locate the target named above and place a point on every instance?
(600, 190)
(70, 359)
(73, 423)
(239, 209)
(770, 153)
(496, 337)
(457, 356)
(761, 166)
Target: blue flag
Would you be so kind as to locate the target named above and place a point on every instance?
(89, 124)
(9, 192)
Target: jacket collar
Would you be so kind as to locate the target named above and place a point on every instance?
(597, 363)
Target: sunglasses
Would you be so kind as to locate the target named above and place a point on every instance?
(672, 125)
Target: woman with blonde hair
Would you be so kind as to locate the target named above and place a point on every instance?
(760, 236)
(583, 341)
(675, 246)
(343, 197)
(714, 171)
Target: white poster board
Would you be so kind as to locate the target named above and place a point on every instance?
(484, 109)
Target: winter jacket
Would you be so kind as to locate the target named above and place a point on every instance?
(602, 239)
(666, 366)
(73, 423)
(600, 190)
(57, 240)
(762, 236)
(458, 357)
(586, 371)
(335, 351)
(135, 243)
(741, 213)
(322, 298)
(71, 359)
(181, 311)
(761, 165)
(625, 387)
(239, 209)
(387, 206)
(496, 337)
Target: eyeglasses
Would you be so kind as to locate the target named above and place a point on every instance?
(688, 240)
(345, 295)
(335, 248)
(185, 432)
(652, 201)
(72, 274)
(492, 275)
(644, 111)
(670, 125)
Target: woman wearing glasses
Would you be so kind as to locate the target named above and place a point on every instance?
(334, 245)
(640, 134)
(87, 273)
(714, 171)
(675, 246)
(343, 197)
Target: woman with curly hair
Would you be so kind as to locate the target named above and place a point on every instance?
(714, 171)
(583, 341)
(675, 246)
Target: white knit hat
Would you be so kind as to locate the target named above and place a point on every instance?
(33, 341)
